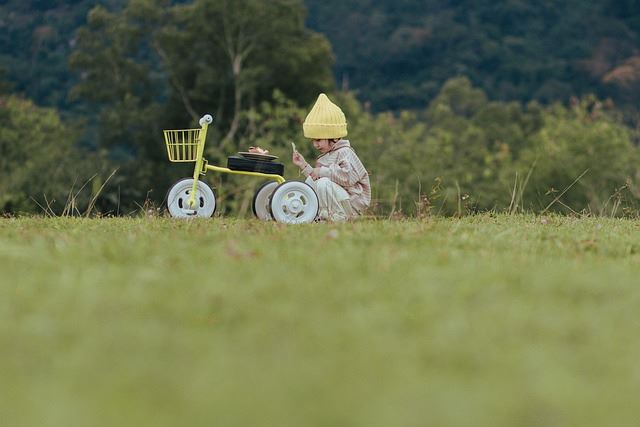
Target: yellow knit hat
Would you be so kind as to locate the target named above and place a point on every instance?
(325, 120)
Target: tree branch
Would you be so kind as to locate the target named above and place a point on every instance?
(174, 81)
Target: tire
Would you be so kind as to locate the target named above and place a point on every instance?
(261, 200)
(178, 197)
(294, 202)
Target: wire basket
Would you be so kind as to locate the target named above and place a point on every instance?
(182, 144)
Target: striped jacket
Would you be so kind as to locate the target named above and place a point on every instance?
(342, 166)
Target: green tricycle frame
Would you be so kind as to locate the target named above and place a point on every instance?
(289, 202)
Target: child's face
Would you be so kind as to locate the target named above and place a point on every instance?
(323, 145)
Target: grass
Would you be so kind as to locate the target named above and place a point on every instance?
(483, 321)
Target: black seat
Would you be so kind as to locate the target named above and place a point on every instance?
(240, 163)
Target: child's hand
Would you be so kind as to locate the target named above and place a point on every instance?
(298, 160)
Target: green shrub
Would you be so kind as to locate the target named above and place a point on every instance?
(40, 163)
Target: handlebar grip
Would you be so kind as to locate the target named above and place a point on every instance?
(207, 118)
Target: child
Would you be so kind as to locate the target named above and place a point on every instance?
(339, 178)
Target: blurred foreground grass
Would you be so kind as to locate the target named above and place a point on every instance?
(483, 321)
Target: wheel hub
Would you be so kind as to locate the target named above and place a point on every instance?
(186, 196)
(295, 205)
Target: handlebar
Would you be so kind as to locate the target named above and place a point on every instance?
(206, 119)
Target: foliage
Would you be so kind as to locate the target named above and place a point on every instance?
(35, 42)
(485, 321)
(39, 161)
(5, 86)
(582, 139)
(397, 54)
(465, 153)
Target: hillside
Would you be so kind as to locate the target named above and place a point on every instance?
(395, 54)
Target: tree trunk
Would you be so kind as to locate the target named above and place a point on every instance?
(236, 65)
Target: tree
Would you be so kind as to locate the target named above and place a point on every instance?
(398, 53)
(153, 66)
(5, 86)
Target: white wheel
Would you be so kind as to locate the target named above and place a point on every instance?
(261, 199)
(294, 202)
(178, 200)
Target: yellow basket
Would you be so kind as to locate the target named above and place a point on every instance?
(182, 144)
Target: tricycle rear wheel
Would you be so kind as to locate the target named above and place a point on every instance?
(262, 199)
(294, 202)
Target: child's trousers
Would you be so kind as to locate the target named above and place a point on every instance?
(334, 200)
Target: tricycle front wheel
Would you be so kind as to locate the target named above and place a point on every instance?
(178, 200)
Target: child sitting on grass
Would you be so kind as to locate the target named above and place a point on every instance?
(339, 177)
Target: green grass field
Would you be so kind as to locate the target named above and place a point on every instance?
(480, 321)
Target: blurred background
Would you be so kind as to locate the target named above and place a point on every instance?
(454, 107)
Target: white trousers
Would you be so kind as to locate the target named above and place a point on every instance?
(334, 200)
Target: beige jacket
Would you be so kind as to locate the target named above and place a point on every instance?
(342, 166)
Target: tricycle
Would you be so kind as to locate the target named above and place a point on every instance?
(289, 202)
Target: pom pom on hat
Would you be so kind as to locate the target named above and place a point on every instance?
(325, 120)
